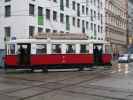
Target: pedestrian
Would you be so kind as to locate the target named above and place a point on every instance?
(21, 55)
(100, 55)
(96, 51)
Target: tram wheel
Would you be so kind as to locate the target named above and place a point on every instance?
(80, 68)
(32, 70)
(45, 70)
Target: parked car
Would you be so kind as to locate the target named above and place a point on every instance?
(124, 58)
(131, 57)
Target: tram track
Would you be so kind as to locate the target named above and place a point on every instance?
(89, 94)
(51, 90)
(6, 81)
(66, 86)
(91, 76)
(82, 93)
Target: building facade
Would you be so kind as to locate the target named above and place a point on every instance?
(116, 24)
(20, 19)
(130, 21)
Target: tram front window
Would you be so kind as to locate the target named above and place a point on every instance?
(56, 48)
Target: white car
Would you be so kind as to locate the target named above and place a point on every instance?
(131, 57)
(123, 58)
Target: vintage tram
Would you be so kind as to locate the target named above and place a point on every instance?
(47, 54)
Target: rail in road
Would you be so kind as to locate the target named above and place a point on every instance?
(95, 83)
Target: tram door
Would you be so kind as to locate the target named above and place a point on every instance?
(24, 53)
(98, 52)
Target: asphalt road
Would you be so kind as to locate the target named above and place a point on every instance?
(100, 83)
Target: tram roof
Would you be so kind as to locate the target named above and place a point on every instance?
(34, 41)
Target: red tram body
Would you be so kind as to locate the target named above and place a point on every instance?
(42, 61)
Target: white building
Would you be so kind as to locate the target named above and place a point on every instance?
(22, 18)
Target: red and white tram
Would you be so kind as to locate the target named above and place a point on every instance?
(47, 54)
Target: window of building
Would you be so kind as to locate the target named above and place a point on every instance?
(67, 23)
(56, 48)
(71, 48)
(78, 22)
(61, 18)
(7, 33)
(73, 21)
(87, 11)
(54, 31)
(98, 28)
(48, 14)
(98, 3)
(87, 25)
(101, 29)
(48, 30)
(91, 15)
(31, 31)
(40, 30)
(92, 27)
(40, 11)
(78, 9)
(95, 29)
(95, 14)
(98, 16)
(101, 19)
(41, 49)
(61, 31)
(31, 9)
(83, 9)
(54, 0)
(73, 5)
(54, 15)
(7, 11)
(67, 3)
(7, 0)
(83, 23)
(62, 5)
(101, 4)
(40, 16)
(83, 26)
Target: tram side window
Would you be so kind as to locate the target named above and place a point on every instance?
(22, 49)
(56, 48)
(41, 49)
(71, 48)
(84, 48)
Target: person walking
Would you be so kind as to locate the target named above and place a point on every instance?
(96, 51)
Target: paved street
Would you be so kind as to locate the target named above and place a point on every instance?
(98, 84)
